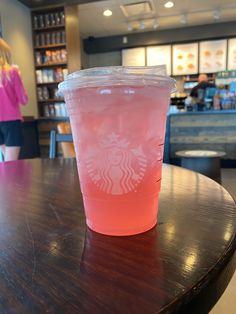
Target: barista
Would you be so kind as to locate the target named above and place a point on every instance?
(201, 86)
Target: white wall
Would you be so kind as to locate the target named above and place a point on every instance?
(16, 29)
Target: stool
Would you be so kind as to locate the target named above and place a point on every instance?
(206, 162)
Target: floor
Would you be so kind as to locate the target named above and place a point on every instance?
(227, 303)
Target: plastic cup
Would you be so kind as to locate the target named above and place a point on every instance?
(118, 119)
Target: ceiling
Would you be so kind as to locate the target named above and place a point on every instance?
(34, 4)
(93, 23)
(184, 13)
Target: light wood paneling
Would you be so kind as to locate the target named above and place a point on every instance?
(73, 38)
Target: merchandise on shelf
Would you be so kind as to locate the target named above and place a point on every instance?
(225, 77)
(47, 93)
(48, 57)
(50, 38)
(55, 110)
(48, 20)
(51, 75)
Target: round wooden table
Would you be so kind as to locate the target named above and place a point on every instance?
(50, 262)
(206, 162)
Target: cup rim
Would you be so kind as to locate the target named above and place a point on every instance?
(118, 75)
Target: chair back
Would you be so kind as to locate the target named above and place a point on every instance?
(68, 149)
(65, 139)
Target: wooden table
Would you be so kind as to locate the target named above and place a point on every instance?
(206, 162)
(51, 263)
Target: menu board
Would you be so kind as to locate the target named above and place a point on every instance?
(133, 57)
(232, 54)
(213, 56)
(158, 55)
(185, 59)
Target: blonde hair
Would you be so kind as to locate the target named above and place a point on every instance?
(5, 54)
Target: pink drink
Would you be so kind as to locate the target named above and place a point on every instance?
(118, 132)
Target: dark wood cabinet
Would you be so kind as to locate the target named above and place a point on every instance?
(30, 147)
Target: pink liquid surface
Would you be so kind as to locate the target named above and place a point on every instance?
(119, 135)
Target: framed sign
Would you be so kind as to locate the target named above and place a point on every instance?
(158, 55)
(133, 57)
(213, 56)
(185, 59)
(232, 54)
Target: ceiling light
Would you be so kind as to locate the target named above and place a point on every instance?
(155, 24)
(169, 4)
(183, 19)
(129, 27)
(141, 25)
(216, 14)
(107, 13)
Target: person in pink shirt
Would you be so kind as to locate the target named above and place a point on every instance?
(12, 95)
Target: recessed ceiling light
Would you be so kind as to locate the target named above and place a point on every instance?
(141, 25)
(129, 27)
(183, 19)
(107, 13)
(155, 24)
(169, 4)
(216, 14)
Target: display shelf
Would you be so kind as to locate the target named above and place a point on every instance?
(53, 118)
(56, 50)
(54, 46)
(50, 65)
(51, 100)
(49, 40)
(49, 28)
(49, 83)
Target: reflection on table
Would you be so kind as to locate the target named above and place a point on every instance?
(51, 262)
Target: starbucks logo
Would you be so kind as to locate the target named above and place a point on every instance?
(116, 167)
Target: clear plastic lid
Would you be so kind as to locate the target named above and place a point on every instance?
(118, 75)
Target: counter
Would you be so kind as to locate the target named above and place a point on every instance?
(210, 130)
